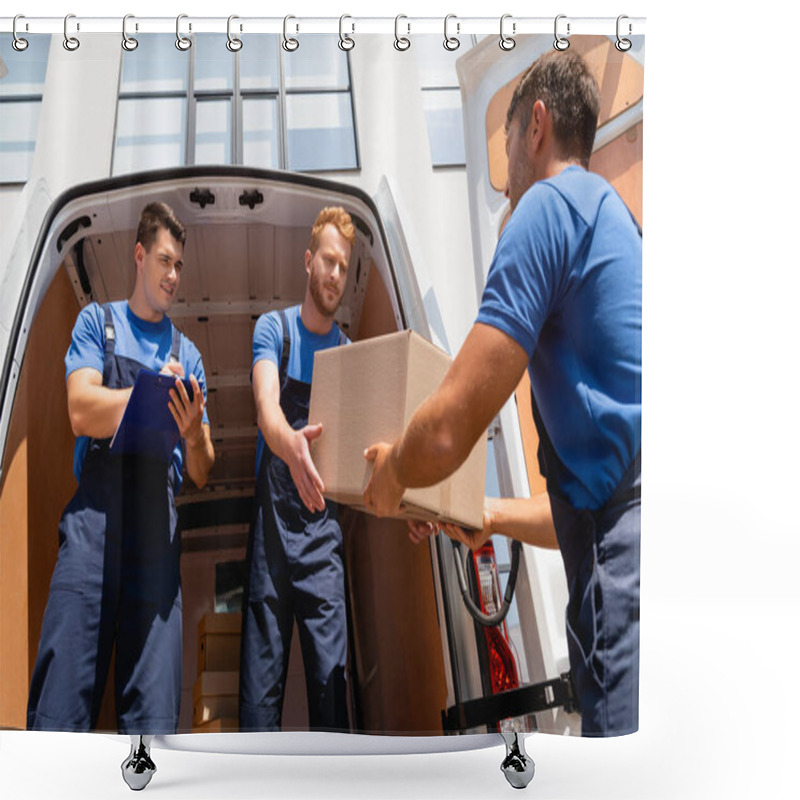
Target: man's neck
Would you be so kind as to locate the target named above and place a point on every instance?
(555, 166)
(313, 320)
(142, 309)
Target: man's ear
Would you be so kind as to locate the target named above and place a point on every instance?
(308, 258)
(138, 255)
(537, 125)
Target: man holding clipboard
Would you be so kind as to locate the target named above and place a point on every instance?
(117, 577)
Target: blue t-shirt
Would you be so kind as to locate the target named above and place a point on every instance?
(149, 343)
(268, 344)
(566, 284)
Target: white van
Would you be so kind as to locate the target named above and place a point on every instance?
(419, 663)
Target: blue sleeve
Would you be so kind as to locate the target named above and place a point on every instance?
(527, 269)
(193, 365)
(268, 340)
(87, 348)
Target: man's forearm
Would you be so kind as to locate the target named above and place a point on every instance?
(527, 519)
(96, 410)
(430, 449)
(200, 456)
(277, 432)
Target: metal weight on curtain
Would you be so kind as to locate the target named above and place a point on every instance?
(507, 42)
(346, 41)
(71, 43)
(451, 42)
(128, 42)
(561, 43)
(19, 44)
(234, 43)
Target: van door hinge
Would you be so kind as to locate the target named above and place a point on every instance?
(530, 699)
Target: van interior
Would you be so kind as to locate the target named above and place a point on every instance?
(244, 256)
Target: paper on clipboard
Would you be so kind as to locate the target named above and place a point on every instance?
(147, 427)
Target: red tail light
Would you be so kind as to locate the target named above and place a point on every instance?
(502, 664)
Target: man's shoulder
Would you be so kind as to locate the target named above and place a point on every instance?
(274, 317)
(582, 191)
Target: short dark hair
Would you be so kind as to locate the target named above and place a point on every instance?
(566, 86)
(155, 216)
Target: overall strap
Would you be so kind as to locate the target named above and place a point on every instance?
(284, 368)
(175, 350)
(110, 335)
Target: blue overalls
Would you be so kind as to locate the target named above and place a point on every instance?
(295, 572)
(600, 550)
(117, 579)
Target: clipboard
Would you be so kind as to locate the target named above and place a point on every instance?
(147, 427)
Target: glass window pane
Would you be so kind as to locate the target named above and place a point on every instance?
(260, 135)
(156, 65)
(321, 134)
(151, 134)
(213, 64)
(18, 124)
(318, 63)
(437, 66)
(445, 127)
(213, 135)
(258, 63)
(24, 71)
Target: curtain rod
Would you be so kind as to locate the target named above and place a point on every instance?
(505, 25)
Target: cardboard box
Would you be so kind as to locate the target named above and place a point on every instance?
(215, 695)
(367, 392)
(218, 641)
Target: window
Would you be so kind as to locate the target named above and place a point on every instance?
(260, 107)
(22, 77)
(441, 98)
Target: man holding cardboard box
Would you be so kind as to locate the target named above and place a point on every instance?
(563, 298)
(295, 569)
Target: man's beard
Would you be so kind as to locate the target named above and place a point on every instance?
(318, 296)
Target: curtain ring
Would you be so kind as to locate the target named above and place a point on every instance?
(623, 45)
(128, 42)
(19, 44)
(507, 42)
(71, 43)
(289, 44)
(346, 42)
(183, 43)
(401, 43)
(451, 42)
(560, 42)
(234, 43)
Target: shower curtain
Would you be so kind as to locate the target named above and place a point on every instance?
(247, 134)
